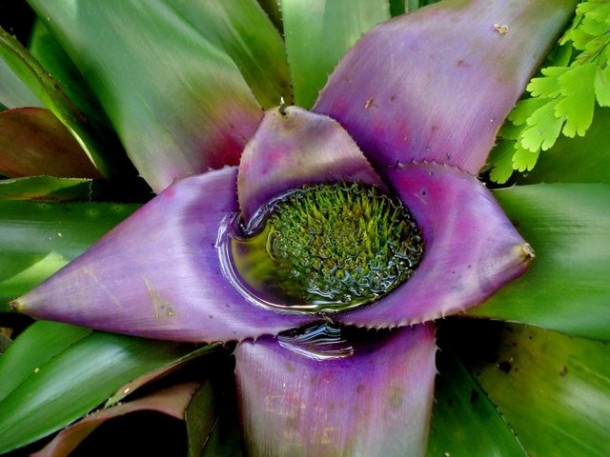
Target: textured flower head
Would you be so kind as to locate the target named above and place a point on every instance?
(416, 122)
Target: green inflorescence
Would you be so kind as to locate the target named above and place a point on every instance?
(331, 247)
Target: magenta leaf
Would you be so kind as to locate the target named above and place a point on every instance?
(292, 148)
(446, 78)
(374, 402)
(472, 248)
(158, 274)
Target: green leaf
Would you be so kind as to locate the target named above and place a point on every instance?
(502, 159)
(45, 48)
(462, 408)
(200, 419)
(602, 86)
(179, 103)
(566, 287)
(247, 35)
(75, 381)
(49, 189)
(39, 344)
(554, 391)
(14, 93)
(579, 159)
(96, 143)
(525, 109)
(543, 128)
(36, 239)
(578, 101)
(547, 86)
(318, 33)
(523, 159)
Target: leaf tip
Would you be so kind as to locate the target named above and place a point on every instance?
(17, 305)
(525, 252)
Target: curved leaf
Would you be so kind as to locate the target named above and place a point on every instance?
(34, 142)
(178, 103)
(172, 401)
(244, 31)
(567, 286)
(97, 144)
(36, 239)
(554, 391)
(74, 381)
(318, 33)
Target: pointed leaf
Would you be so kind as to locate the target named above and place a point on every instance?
(376, 401)
(34, 142)
(200, 417)
(49, 189)
(247, 35)
(554, 390)
(75, 381)
(292, 148)
(172, 401)
(318, 33)
(471, 248)
(37, 239)
(159, 273)
(178, 118)
(98, 144)
(461, 409)
(435, 93)
(567, 287)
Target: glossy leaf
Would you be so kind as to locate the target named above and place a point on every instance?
(49, 189)
(39, 344)
(244, 31)
(34, 142)
(375, 401)
(567, 286)
(98, 145)
(150, 376)
(36, 239)
(318, 33)
(14, 93)
(200, 419)
(178, 103)
(554, 391)
(45, 48)
(461, 407)
(75, 381)
(172, 401)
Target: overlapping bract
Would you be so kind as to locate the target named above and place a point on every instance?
(424, 112)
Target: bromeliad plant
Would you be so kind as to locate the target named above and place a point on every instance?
(323, 243)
